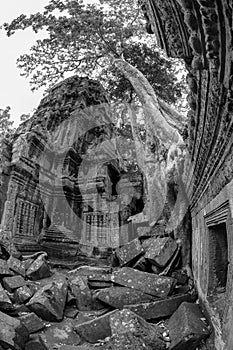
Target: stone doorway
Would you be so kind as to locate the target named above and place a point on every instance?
(218, 258)
(218, 230)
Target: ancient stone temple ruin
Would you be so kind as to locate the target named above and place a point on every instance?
(66, 176)
(66, 189)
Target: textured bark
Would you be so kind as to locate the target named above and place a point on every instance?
(164, 173)
(166, 133)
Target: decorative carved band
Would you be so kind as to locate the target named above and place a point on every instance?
(218, 215)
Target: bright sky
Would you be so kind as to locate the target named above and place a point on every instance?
(15, 90)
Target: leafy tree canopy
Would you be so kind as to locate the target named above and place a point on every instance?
(6, 125)
(83, 37)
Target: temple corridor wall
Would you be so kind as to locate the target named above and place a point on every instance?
(200, 33)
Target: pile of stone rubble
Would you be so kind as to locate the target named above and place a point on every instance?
(144, 300)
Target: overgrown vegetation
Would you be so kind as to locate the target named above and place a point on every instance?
(82, 37)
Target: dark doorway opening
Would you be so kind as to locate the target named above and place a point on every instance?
(218, 258)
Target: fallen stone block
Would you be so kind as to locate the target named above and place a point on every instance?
(49, 301)
(161, 250)
(4, 269)
(5, 302)
(158, 229)
(60, 334)
(118, 297)
(86, 270)
(33, 286)
(82, 347)
(159, 308)
(146, 242)
(96, 329)
(16, 266)
(22, 294)
(38, 269)
(13, 333)
(129, 252)
(32, 322)
(86, 316)
(145, 282)
(97, 281)
(12, 283)
(79, 288)
(143, 231)
(99, 284)
(36, 343)
(71, 311)
(187, 327)
(126, 321)
(99, 277)
(128, 341)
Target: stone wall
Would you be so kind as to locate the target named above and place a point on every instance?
(5, 159)
(200, 32)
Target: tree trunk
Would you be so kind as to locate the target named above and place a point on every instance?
(165, 132)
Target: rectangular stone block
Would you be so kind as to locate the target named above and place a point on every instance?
(99, 284)
(118, 297)
(13, 333)
(161, 250)
(129, 252)
(71, 311)
(4, 269)
(16, 265)
(159, 308)
(86, 270)
(125, 321)
(12, 283)
(96, 329)
(32, 322)
(99, 280)
(60, 334)
(79, 288)
(187, 327)
(49, 301)
(5, 303)
(38, 269)
(82, 347)
(22, 294)
(36, 343)
(145, 282)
